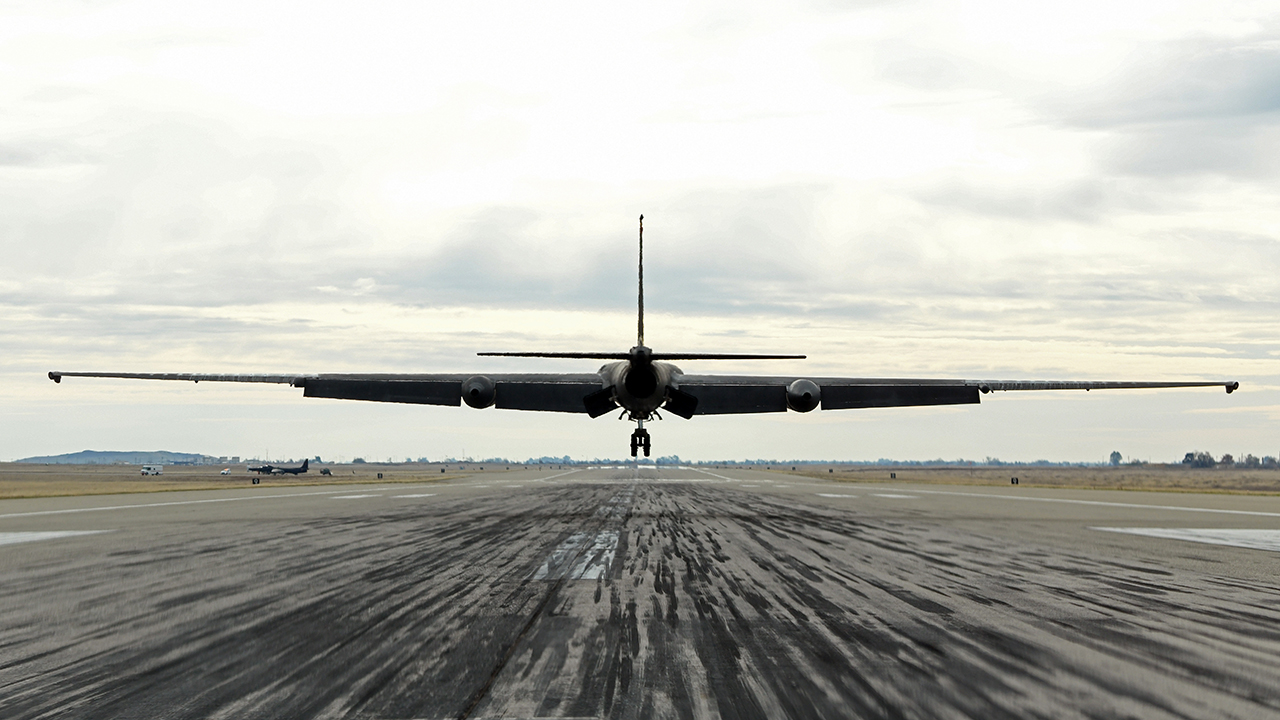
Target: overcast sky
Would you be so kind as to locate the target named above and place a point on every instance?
(909, 189)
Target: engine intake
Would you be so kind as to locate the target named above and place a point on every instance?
(479, 392)
(803, 395)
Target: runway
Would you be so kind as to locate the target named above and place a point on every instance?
(624, 593)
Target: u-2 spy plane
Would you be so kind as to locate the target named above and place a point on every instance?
(642, 381)
(269, 469)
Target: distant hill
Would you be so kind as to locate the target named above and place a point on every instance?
(113, 457)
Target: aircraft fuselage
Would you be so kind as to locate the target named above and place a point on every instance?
(640, 384)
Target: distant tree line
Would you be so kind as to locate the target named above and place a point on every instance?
(1199, 459)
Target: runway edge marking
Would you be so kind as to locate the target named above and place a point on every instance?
(13, 538)
(66, 511)
(1103, 503)
(1253, 539)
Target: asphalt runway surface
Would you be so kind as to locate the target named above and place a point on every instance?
(624, 593)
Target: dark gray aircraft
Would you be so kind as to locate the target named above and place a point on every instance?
(277, 470)
(641, 381)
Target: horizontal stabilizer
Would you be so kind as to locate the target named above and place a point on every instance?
(653, 356)
(574, 355)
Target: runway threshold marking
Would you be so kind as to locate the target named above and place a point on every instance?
(1253, 539)
(1102, 503)
(13, 538)
(169, 504)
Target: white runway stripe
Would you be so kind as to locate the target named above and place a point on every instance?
(170, 504)
(592, 563)
(1253, 539)
(896, 497)
(352, 497)
(415, 495)
(1101, 503)
(12, 538)
(834, 495)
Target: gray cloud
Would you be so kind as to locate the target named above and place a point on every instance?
(1203, 105)
(1235, 147)
(1190, 80)
(1198, 106)
(1084, 200)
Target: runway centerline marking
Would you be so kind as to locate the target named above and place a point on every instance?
(13, 538)
(415, 495)
(834, 495)
(708, 472)
(896, 497)
(66, 511)
(1252, 539)
(597, 551)
(352, 497)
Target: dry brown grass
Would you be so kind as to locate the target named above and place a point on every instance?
(1145, 477)
(27, 481)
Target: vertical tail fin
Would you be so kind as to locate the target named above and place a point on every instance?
(640, 323)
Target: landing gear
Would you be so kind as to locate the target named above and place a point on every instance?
(640, 440)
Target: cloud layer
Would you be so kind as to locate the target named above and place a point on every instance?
(894, 188)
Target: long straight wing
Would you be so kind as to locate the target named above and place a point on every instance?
(731, 394)
(590, 393)
(545, 392)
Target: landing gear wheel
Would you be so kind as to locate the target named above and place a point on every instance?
(640, 439)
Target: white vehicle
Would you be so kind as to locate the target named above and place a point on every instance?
(152, 469)
(225, 471)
